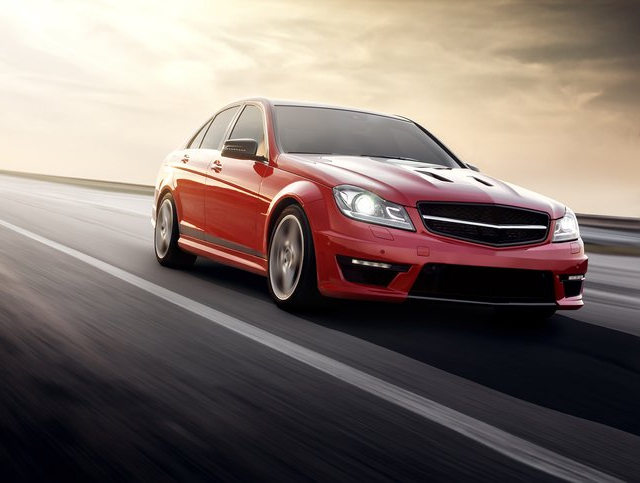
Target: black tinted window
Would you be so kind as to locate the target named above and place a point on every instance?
(250, 126)
(213, 138)
(335, 131)
(197, 139)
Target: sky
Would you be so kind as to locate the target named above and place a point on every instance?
(542, 94)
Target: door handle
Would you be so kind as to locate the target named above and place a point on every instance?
(185, 159)
(217, 166)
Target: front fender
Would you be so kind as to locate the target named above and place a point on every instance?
(302, 192)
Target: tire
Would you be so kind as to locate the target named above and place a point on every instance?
(166, 234)
(524, 315)
(292, 276)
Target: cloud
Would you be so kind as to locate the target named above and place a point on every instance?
(535, 92)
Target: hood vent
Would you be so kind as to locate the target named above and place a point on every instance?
(481, 181)
(434, 175)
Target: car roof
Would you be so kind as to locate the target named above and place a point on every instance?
(282, 102)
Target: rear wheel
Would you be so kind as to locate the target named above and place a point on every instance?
(527, 315)
(292, 274)
(166, 235)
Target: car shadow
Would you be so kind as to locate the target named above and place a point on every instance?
(577, 368)
(574, 367)
(247, 283)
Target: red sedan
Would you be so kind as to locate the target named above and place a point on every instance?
(354, 204)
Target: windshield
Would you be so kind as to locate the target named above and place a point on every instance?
(317, 130)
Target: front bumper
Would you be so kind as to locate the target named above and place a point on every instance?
(338, 239)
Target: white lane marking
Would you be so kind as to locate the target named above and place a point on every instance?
(514, 447)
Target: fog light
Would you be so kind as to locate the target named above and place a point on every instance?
(572, 284)
(367, 263)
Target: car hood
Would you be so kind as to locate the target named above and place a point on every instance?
(407, 182)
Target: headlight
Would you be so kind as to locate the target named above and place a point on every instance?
(363, 205)
(566, 228)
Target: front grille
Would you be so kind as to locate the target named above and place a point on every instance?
(487, 224)
(484, 284)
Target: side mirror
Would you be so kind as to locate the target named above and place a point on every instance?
(241, 149)
(472, 167)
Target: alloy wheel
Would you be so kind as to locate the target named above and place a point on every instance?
(286, 257)
(164, 228)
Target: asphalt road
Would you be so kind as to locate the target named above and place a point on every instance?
(114, 368)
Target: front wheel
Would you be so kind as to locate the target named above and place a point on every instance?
(292, 274)
(166, 235)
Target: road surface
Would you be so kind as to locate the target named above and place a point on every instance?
(114, 368)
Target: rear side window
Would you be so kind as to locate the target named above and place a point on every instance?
(197, 139)
(213, 138)
(250, 126)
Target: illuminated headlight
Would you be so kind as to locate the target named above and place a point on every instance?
(566, 228)
(363, 205)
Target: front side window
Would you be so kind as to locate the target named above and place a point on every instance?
(213, 138)
(250, 126)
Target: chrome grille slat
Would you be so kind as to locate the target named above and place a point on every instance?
(475, 223)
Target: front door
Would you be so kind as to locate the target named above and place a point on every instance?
(233, 186)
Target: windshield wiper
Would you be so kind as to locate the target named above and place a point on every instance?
(305, 152)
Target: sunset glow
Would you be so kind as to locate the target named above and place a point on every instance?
(545, 95)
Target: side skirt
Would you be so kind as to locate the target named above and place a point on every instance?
(228, 256)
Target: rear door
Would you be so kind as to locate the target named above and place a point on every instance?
(233, 186)
(190, 175)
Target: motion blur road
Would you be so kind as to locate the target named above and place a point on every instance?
(112, 367)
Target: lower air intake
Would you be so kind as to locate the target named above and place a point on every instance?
(484, 284)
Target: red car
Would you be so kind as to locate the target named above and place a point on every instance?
(354, 204)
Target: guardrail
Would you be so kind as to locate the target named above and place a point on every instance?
(610, 222)
(87, 183)
(610, 234)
